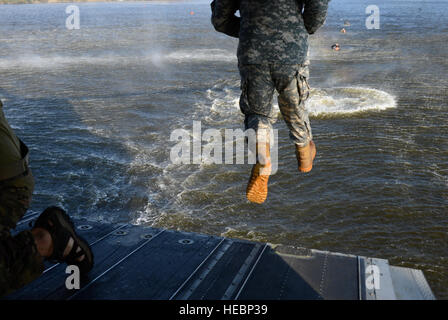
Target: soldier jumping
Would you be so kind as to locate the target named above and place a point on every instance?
(273, 55)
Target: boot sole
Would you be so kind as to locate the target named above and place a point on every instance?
(257, 195)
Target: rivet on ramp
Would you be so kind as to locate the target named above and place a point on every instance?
(186, 241)
(120, 233)
(85, 227)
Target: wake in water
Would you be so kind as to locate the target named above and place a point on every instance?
(348, 100)
(223, 99)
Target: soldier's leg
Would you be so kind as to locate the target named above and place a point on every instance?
(257, 90)
(292, 86)
(20, 260)
(256, 104)
(293, 89)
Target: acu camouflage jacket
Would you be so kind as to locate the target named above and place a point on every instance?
(270, 31)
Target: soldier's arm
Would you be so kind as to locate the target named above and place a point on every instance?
(223, 17)
(314, 14)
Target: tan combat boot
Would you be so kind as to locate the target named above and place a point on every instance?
(257, 188)
(305, 156)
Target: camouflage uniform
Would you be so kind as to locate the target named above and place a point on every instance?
(272, 55)
(20, 262)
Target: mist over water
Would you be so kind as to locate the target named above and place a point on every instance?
(97, 106)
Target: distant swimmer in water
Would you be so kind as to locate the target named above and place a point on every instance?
(272, 56)
(343, 30)
(336, 47)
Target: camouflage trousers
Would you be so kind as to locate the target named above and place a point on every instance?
(258, 83)
(20, 262)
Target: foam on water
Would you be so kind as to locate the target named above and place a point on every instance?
(223, 101)
(348, 100)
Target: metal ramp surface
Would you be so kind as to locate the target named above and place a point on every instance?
(135, 262)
